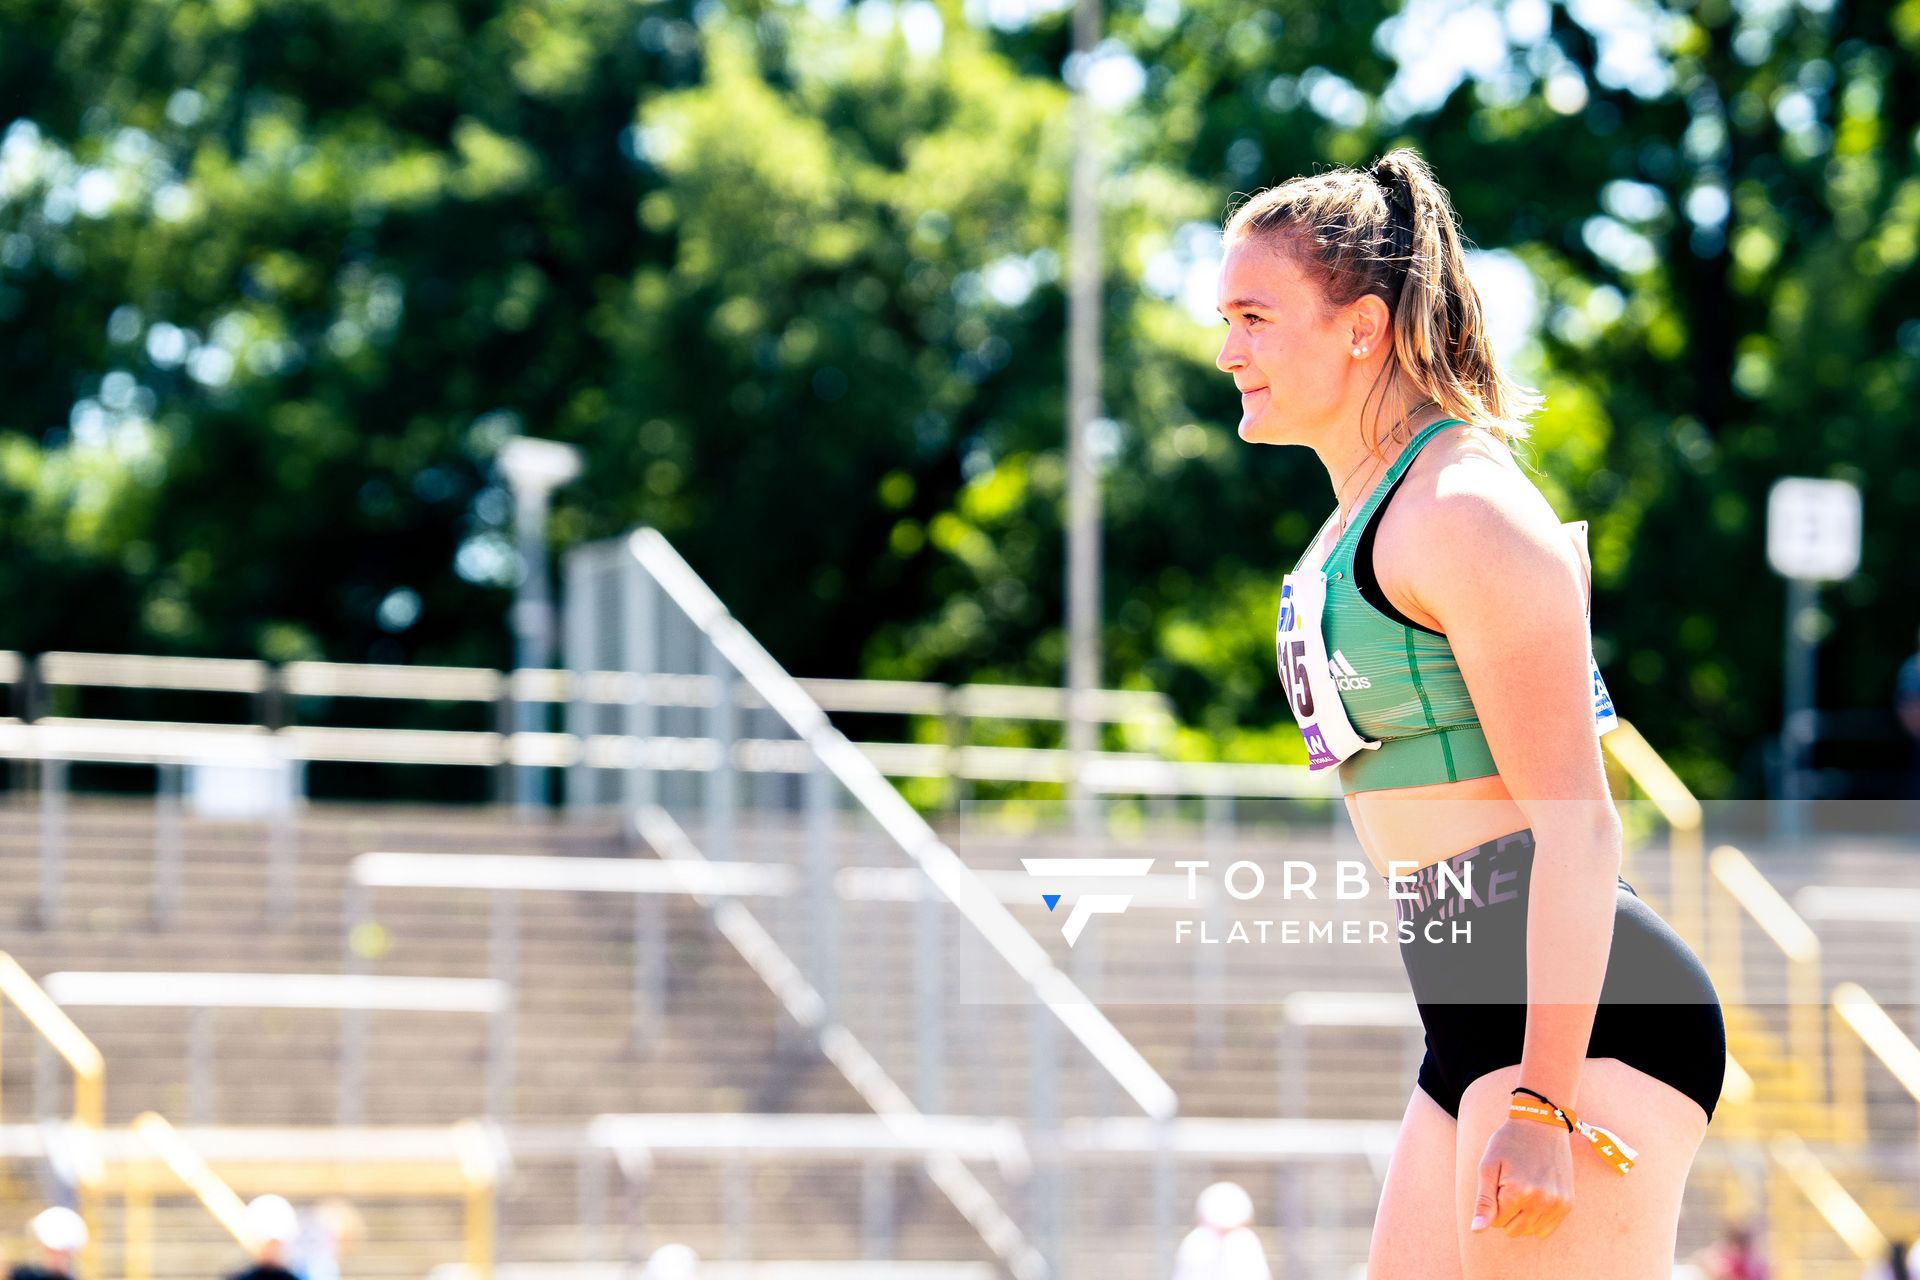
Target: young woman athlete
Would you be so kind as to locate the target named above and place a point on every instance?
(1434, 642)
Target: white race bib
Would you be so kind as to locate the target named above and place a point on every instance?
(1304, 673)
(1603, 716)
(1301, 649)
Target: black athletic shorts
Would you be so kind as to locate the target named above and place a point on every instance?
(1658, 1011)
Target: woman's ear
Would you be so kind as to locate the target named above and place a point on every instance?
(1370, 324)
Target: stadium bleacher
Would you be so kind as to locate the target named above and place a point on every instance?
(858, 963)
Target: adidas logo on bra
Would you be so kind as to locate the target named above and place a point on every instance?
(1344, 675)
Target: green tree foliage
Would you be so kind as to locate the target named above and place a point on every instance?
(278, 277)
(1718, 204)
(860, 308)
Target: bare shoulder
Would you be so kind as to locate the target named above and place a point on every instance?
(1466, 512)
(1466, 482)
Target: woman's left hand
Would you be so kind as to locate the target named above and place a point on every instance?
(1526, 1179)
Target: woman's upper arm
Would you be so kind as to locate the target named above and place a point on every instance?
(1507, 586)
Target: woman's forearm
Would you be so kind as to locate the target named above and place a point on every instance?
(1569, 936)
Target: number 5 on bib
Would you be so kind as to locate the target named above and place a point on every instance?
(1302, 653)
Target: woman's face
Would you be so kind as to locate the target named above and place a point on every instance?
(1294, 364)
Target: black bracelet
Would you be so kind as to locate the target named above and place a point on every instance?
(1549, 1101)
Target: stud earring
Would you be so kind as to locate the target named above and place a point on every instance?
(1359, 352)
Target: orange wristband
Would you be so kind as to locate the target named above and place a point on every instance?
(1605, 1143)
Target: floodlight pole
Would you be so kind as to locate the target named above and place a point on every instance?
(1083, 409)
(533, 469)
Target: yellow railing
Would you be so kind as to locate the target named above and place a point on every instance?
(1746, 888)
(1683, 816)
(1860, 1013)
(52, 1022)
(1712, 921)
(1708, 899)
(1830, 1200)
(470, 1174)
(1737, 1117)
(89, 1079)
(221, 1200)
(480, 1170)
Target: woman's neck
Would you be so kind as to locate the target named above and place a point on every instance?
(1354, 468)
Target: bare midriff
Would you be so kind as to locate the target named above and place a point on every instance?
(1423, 825)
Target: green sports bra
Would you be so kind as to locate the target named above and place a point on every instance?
(1398, 680)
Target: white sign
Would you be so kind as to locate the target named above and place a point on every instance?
(228, 790)
(1813, 529)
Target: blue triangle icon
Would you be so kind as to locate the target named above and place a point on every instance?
(1051, 899)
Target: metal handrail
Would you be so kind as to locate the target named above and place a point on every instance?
(143, 989)
(484, 684)
(954, 759)
(1874, 1028)
(1859, 904)
(818, 1135)
(855, 1062)
(1747, 888)
(578, 874)
(981, 908)
(462, 1160)
(734, 1142)
(82, 1056)
(89, 1068)
(1120, 773)
(353, 995)
(142, 671)
(1768, 907)
(153, 742)
(1684, 818)
(369, 680)
(1838, 1209)
(221, 1200)
(1738, 1087)
(828, 1136)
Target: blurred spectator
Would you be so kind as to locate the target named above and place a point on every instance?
(1737, 1256)
(272, 1227)
(327, 1235)
(672, 1262)
(59, 1235)
(1901, 1262)
(1223, 1246)
(1906, 703)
